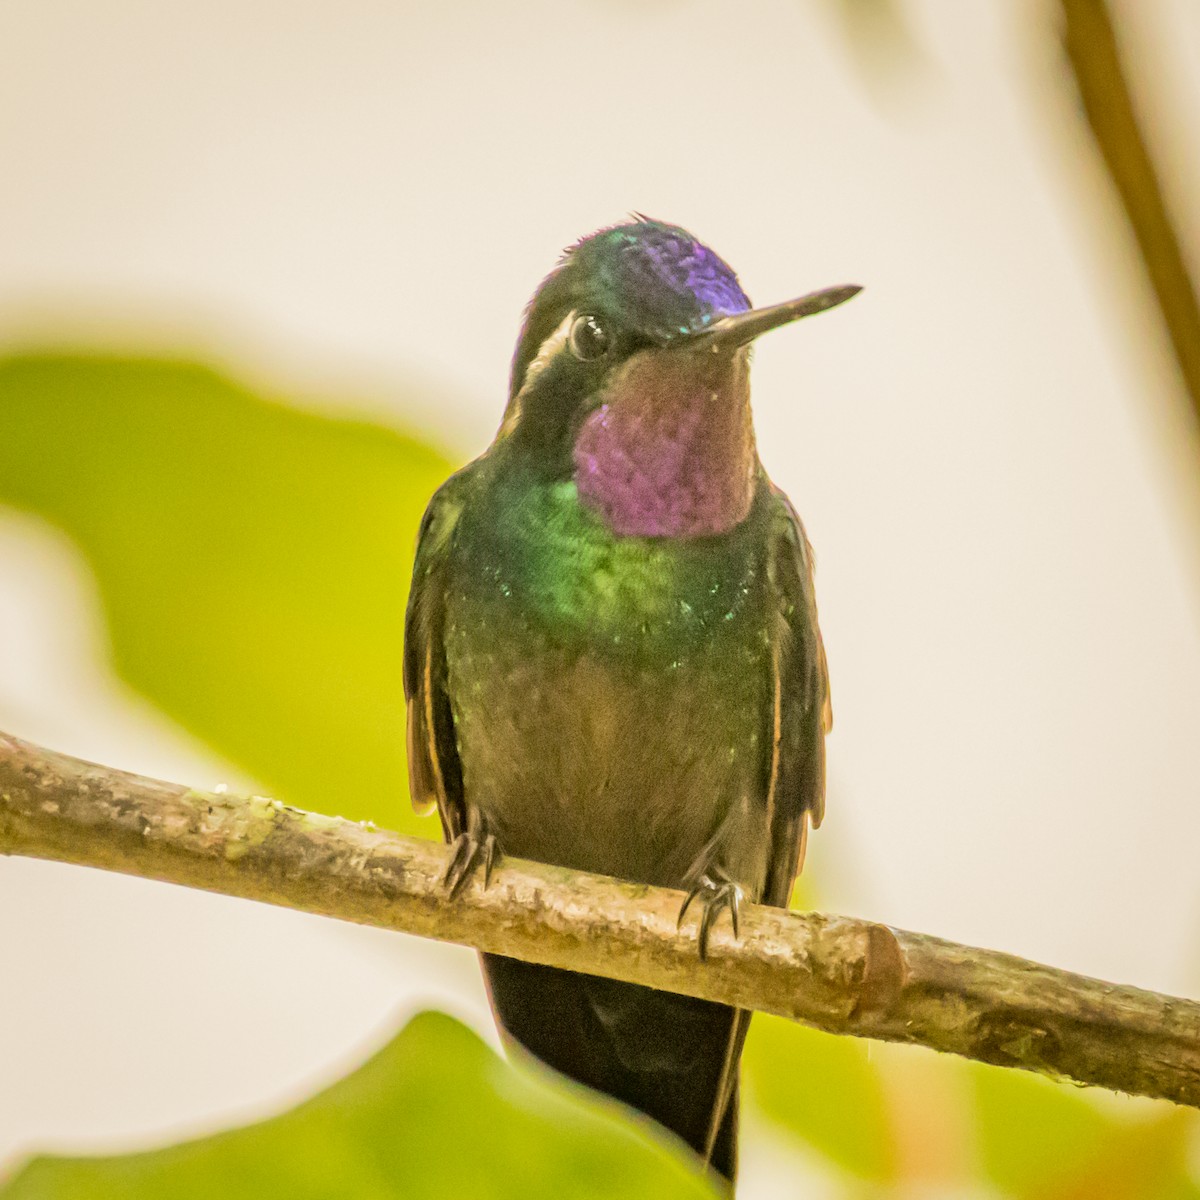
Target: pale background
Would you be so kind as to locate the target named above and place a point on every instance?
(987, 447)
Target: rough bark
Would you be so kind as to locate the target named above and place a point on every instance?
(837, 974)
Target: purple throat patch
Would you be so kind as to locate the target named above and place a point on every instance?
(670, 452)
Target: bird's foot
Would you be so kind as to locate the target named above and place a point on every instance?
(714, 891)
(475, 847)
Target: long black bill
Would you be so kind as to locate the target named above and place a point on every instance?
(731, 332)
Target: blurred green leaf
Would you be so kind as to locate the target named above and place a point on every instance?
(433, 1114)
(824, 1090)
(1046, 1141)
(1030, 1128)
(253, 561)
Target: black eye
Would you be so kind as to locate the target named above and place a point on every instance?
(588, 340)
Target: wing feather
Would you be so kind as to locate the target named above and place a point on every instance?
(802, 713)
(434, 771)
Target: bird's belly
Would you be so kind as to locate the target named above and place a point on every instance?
(606, 764)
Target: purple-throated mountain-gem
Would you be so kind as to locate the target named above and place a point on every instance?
(612, 659)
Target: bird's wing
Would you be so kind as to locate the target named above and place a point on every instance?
(802, 714)
(434, 771)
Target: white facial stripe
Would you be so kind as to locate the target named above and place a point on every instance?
(548, 350)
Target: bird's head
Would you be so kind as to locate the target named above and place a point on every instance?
(631, 378)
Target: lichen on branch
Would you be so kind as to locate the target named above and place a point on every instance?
(841, 975)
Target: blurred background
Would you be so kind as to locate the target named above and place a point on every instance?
(262, 266)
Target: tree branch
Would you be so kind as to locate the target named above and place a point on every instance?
(1091, 47)
(837, 974)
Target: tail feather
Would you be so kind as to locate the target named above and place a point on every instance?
(668, 1056)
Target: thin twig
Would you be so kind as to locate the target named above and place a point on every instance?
(1091, 46)
(840, 975)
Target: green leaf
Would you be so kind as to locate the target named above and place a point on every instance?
(824, 1090)
(433, 1114)
(1031, 1128)
(1049, 1141)
(253, 561)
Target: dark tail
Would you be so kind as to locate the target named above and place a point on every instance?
(663, 1054)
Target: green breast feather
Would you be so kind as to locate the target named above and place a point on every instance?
(547, 561)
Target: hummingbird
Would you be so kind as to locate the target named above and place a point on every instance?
(612, 661)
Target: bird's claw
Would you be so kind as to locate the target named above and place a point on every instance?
(713, 894)
(474, 847)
